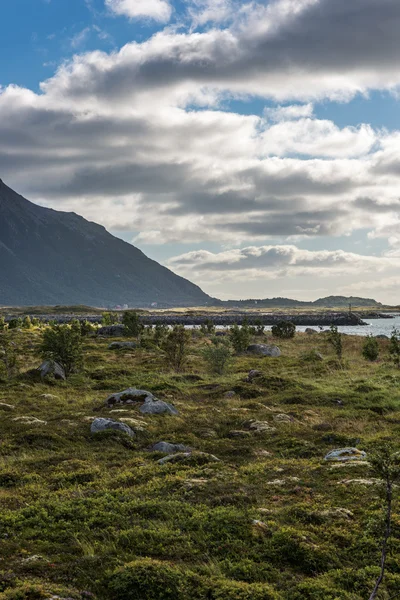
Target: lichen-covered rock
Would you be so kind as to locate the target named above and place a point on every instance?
(261, 426)
(99, 424)
(152, 406)
(345, 454)
(283, 418)
(264, 350)
(50, 368)
(193, 458)
(168, 448)
(119, 345)
(129, 396)
(112, 331)
(253, 374)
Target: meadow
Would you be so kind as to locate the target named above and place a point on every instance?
(252, 512)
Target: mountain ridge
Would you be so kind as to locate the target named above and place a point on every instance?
(55, 257)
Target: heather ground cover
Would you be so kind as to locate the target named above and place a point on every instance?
(97, 516)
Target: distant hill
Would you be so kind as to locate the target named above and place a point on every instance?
(49, 257)
(328, 302)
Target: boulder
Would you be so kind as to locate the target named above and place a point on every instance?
(261, 426)
(168, 448)
(153, 406)
(283, 418)
(382, 337)
(129, 396)
(112, 331)
(99, 424)
(310, 331)
(345, 454)
(253, 374)
(264, 350)
(50, 368)
(119, 345)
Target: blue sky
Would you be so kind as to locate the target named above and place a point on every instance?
(252, 147)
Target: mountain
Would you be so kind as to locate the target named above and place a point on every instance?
(52, 257)
(328, 302)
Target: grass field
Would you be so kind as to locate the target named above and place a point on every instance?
(96, 516)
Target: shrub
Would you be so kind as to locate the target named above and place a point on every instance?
(109, 318)
(217, 357)
(86, 328)
(63, 344)
(394, 347)
(3, 324)
(8, 355)
(132, 324)
(370, 350)
(147, 579)
(284, 330)
(335, 339)
(27, 323)
(240, 337)
(260, 328)
(160, 331)
(175, 347)
(207, 327)
(15, 323)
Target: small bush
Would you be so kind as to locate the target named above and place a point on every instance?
(132, 324)
(160, 332)
(109, 318)
(217, 357)
(15, 323)
(394, 347)
(147, 579)
(284, 330)
(370, 349)
(8, 355)
(63, 344)
(240, 337)
(335, 339)
(208, 327)
(27, 323)
(176, 346)
(3, 324)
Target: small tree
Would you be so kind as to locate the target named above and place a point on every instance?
(335, 339)
(109, 318)
(284, 330)
(160, 331)
(176, 346)
(3, 324)
(8, 355)
(240, 337)
(27, 323)
(86, 328)
(63, 345)
(386, 465)
(370, 350)
(260, 328)
(394, 347)
(132, 324)
(217, 356)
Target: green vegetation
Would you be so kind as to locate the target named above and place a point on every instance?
(335, 339)
(370, 349)
(130, 320)
(63, 345)
(95, 516)
(284, 330)
(240, 337)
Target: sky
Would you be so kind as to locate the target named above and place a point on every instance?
(252, 147)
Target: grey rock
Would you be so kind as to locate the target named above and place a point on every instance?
(253, 374)
(310, 331)
(345, 454)
(50, 368)
(129, 396)
(101, 424)
(153, 406)
(112, 331)
(168, 448)
(188, 457)
(264, 350)
(382, 337)
(119, 345)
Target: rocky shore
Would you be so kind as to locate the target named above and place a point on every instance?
(226, 319)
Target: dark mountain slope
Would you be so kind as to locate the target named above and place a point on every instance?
(52, 257)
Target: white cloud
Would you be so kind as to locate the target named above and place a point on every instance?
(159, 10)
(289, 113)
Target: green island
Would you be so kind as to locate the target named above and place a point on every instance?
(248, 508)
